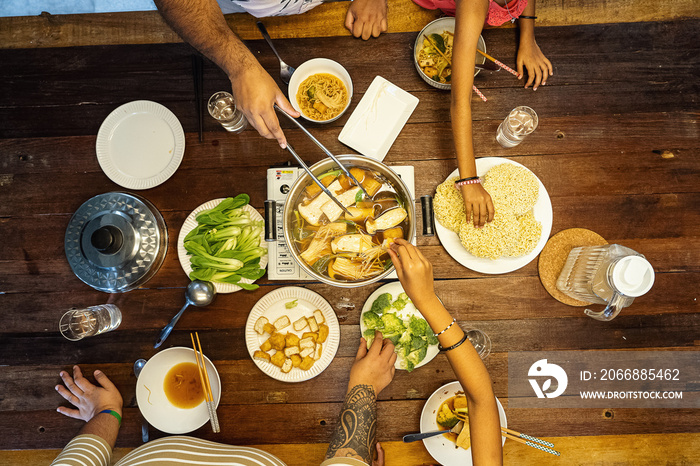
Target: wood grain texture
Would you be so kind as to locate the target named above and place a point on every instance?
(598, 150)
(147, 27)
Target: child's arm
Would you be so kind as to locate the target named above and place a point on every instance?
(468, 24)
(416, 275)
(529, 54)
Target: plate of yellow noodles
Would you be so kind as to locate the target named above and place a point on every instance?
(321, 90)
(521, 225)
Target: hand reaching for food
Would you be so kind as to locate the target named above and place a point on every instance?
(255, 94)
(538, 67)
(415, 272)
(367, 18)
(477, 201)
(89, 399)
(373, 366)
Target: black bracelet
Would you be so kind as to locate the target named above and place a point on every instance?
(467, 179)
(527, 17)
(445, 350)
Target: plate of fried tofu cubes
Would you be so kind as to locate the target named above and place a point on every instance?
(292, 334)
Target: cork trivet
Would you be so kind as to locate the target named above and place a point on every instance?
(553, 257)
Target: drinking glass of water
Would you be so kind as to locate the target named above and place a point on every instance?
(222, 108)
(480, 341)
(520, 122)
(77, 324)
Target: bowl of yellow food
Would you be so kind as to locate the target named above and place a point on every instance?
(320, 89)
(432, 53)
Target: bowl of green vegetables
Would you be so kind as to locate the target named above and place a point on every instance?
(223, 241)
(391, 311)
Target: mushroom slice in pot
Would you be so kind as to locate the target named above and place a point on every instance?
(351, 243)
(359, 214)
(316, 250)
(388, 219)
(321, 243)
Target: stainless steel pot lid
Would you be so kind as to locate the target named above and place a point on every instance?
(116, 242)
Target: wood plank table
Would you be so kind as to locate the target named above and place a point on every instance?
(617, 148)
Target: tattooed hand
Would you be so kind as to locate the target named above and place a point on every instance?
(373, 367)
(355, 434)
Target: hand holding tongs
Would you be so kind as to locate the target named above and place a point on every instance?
(327, 152)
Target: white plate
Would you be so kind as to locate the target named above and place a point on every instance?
(272, 306)
(439, 447)
(140, 145)
(191, 223)
(153, 403)
(395, 289)
(378, 119)
(543, 214)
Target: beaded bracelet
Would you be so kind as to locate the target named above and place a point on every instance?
(113, 413)
(445, 350)
(447, 328)
(527, 17)
(465, 181)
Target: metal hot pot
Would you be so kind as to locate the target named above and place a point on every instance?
(322, 167)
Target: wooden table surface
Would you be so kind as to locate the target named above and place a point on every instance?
(617, 148)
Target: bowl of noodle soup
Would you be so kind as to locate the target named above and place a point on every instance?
(321, 90)
(430, 63)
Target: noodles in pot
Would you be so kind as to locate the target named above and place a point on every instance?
(322, 96)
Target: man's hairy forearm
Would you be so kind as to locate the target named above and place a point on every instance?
(355, 434)
(202, 24)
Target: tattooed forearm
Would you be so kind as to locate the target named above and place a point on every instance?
(354, 436)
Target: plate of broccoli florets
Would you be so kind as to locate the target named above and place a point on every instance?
(390, 310)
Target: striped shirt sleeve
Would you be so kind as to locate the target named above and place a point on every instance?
(184, 450)
(85, 450)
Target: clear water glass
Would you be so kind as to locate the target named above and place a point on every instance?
(77, 324)
(480, 341)
(223, 109)
(520, 122)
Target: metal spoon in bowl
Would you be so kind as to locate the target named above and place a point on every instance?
(138, 365)
(199, 293)
(286, 71)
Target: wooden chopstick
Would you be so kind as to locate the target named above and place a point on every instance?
(505, 67)
(529, 443)
(432, 42)
(206, 385)
(198, 75)
(199, 366)
(206, 374)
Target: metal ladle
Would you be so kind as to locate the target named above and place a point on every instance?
(199, 293)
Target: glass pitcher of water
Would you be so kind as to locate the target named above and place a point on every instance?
(612, 275)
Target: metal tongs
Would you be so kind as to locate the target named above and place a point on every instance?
(329, 154)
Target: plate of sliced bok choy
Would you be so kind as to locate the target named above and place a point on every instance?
(223, 241)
